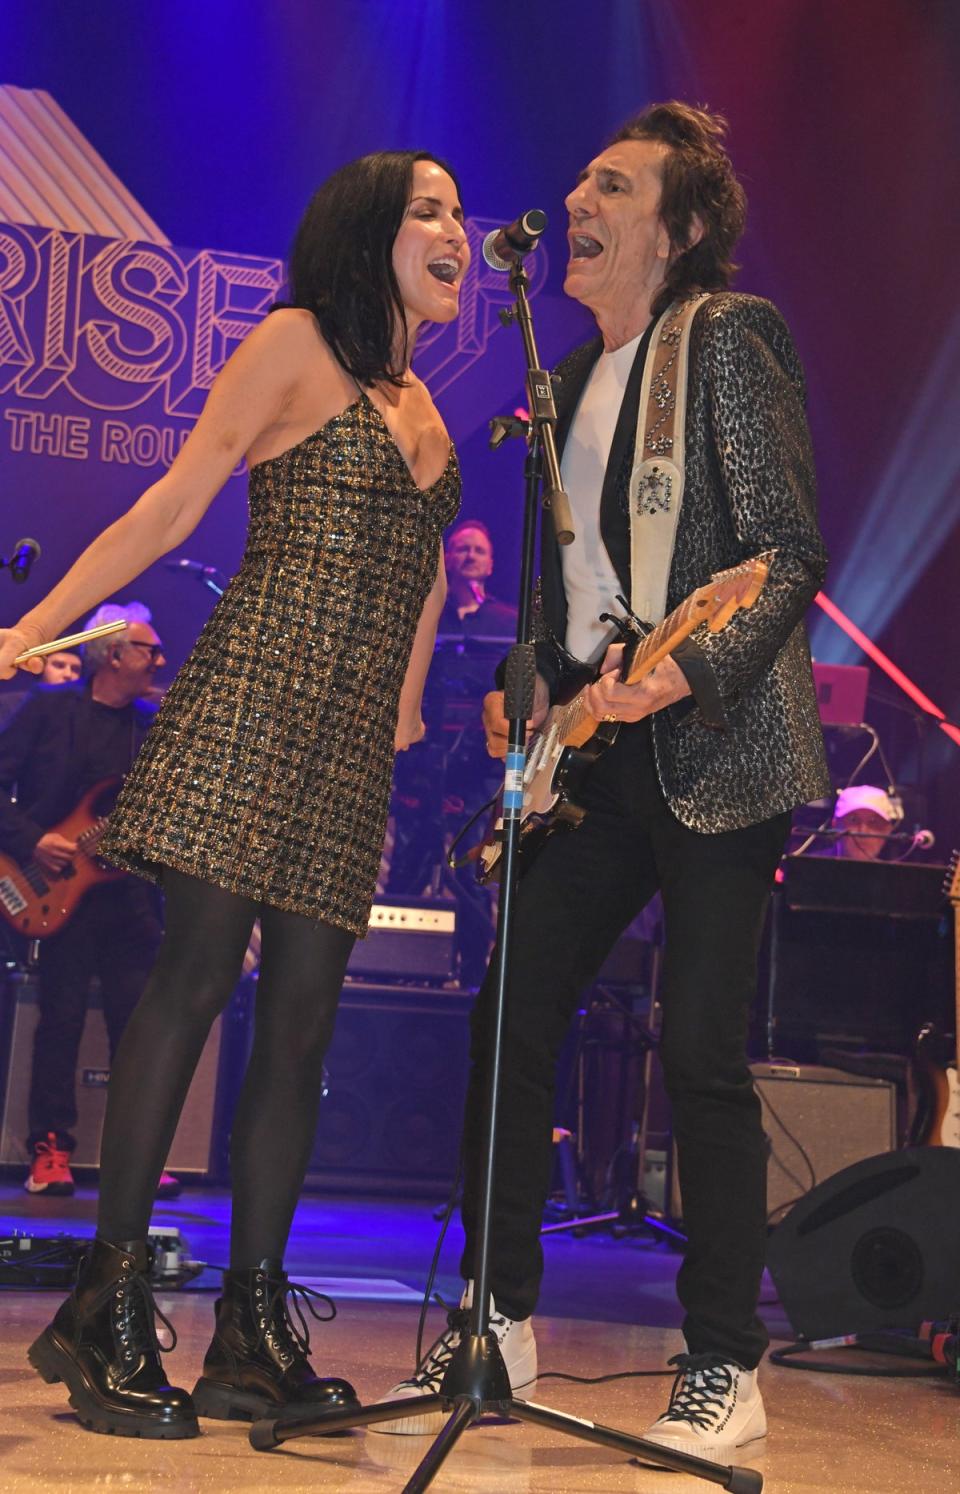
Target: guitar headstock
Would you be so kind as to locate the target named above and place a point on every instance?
(951, 882)
(731, 590)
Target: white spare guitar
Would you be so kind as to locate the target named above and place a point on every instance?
(571, 739)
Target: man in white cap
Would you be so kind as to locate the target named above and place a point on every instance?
(866, 815)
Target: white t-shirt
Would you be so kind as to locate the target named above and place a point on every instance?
(589, 578)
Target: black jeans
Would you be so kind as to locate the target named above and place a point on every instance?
(115, 934)
(578, 895)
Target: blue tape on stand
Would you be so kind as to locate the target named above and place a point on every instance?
(513, 784)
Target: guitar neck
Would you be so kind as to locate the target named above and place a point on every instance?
(956, 986)
(664, 638)
(575, 725)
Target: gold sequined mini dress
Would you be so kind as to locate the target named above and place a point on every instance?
(268, 769)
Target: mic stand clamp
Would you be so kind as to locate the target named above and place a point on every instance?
(476, 1380)
(543, 411)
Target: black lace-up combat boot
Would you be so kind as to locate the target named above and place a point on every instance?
(257, 1364)
(103, 1344)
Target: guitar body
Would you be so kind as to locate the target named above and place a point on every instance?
(37, 902)
(570, 739)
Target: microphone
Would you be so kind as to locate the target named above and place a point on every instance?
(924, 840)
(502, 247)
(25, 552)
(192, 567)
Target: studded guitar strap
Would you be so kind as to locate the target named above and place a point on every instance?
(656, 483)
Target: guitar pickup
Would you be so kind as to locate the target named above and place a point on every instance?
(11, 896)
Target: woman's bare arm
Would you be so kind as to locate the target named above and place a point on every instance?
(248, 396)
(410, 726)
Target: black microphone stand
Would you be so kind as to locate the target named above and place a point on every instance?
(476, 1381)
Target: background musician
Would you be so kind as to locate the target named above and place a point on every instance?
(58, 745)
(62, 668)
(866, 815)
(470, 608)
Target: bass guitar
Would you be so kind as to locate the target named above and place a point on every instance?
(938, 1123)
(571, 739)
(37, 902)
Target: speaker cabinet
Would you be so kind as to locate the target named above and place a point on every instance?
(391, 1119)
(875, 1246)
(857, 954)
(818, 1121)
(192, 1144)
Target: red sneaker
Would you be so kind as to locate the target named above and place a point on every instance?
(168, 1186)
(50, 1169)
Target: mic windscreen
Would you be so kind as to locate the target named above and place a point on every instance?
(493, 259)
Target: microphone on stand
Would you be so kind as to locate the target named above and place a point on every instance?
(502, 247)
(924, 840)
(25, 552)
(192, 568)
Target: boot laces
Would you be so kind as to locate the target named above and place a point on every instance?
(700, 1390)
(283, 1305)
(138, 1310)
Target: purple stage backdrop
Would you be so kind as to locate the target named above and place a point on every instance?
(219, 120)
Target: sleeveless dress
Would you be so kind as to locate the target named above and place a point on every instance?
(268, 769)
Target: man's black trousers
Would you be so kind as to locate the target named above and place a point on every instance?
(575, 899)
(115, 935)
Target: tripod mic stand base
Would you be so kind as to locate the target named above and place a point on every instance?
(467, 1408)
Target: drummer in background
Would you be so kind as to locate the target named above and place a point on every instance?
(470, 608)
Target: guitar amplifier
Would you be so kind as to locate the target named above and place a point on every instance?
(408, 939)
(192, 1151)
(818, 1121)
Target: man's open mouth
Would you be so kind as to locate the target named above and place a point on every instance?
(445, 270)
(582, 246)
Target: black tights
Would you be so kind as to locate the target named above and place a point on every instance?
(301, 972)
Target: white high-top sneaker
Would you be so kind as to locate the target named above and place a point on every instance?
(715, 1408)
(517, 1345)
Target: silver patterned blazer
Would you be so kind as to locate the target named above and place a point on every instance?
(748, 745)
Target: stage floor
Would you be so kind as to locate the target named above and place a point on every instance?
(608, 1306)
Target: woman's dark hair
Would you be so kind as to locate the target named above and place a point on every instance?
(341, 263)
(698, 181)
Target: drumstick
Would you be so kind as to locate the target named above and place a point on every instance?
(72, 640)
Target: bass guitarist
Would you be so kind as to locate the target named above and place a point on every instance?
(718, 745)
(60, 744)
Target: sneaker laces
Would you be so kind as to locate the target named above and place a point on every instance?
(700, 1390)
(47, 1156)
(433, 1366)
(279, 1319)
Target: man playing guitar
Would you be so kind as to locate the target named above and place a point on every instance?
(59, 744)
(713, 748)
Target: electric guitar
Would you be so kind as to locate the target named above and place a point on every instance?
(571, 739)
(37, 902)
(939, 1122)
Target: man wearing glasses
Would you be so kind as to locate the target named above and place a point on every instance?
(60, 743)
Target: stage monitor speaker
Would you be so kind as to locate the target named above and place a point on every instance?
(191, 1149)
(392, 1115)
(876, 1246)
(818, 1121)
